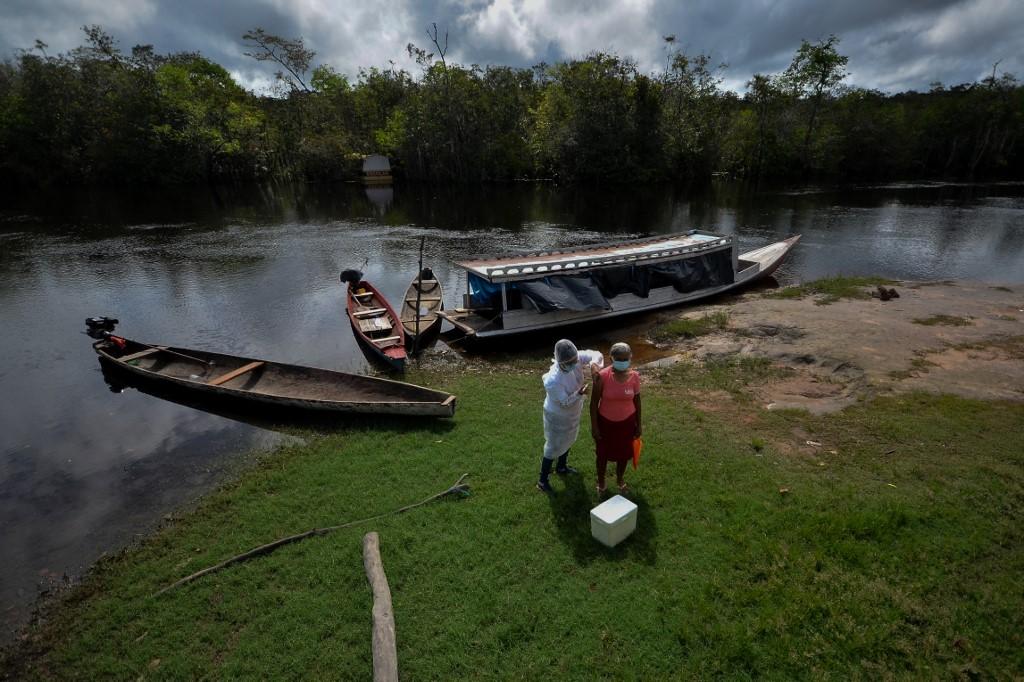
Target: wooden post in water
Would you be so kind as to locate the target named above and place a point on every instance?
(419, 293)
(385, 656)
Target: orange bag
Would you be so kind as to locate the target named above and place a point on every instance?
(638, 445)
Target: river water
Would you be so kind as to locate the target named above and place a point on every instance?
(84, 470)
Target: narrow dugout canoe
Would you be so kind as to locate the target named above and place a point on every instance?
(423, 299)
(263, 382)
(375, 324)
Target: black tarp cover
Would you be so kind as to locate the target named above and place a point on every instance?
(563, 292)
(690, 274)
(592, 290)
(622, 279)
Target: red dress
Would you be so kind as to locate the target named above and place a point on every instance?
(616, 416)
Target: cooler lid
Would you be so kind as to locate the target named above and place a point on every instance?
(613, 510)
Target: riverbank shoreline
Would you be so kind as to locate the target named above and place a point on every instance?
(961, 338)
(880, 533)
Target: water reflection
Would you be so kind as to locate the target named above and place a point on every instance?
(254, 271)
(381, 197)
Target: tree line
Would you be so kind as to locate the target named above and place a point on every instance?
(98, 114)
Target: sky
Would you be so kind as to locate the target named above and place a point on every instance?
(892, 45)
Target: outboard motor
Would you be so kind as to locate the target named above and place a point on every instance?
(100, 327)
(350, 277)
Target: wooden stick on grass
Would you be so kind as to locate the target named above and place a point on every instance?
(385, 656)
(457, 487)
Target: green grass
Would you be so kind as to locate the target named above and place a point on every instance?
(831, 289)
(691, 327)
(1010, 346)
(945, 320)
(732, 374)
(899, 556)
(918, 365)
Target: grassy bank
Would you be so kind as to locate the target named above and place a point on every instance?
(896, 549)
(831, 289)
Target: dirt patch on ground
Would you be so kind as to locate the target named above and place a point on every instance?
(852, 349)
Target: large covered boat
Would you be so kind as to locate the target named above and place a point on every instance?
(548, 289)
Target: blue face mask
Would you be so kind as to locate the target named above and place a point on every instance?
(620, 365)
(569, 366)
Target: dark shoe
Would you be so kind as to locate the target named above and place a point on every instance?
(563, 468)
(545, 471)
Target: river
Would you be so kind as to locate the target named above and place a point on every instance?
(84, 469)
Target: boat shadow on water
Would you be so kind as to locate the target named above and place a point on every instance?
(283, 419)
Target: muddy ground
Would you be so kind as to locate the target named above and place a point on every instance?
(853, 349)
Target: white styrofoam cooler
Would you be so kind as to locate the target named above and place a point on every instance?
(613, 521)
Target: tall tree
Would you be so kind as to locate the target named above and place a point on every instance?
(585, 120)
(763, 96)
(291, 55)
(692, 111)
(816, 71)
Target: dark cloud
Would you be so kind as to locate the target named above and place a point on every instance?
(891, 46)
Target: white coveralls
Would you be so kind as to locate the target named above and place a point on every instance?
(563, 404)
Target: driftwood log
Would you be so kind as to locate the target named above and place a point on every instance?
(457, 487)
(385, 657)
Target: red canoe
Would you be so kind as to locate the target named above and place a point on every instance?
(376, 325)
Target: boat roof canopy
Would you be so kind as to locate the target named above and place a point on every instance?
(376, 162)
(546, 263)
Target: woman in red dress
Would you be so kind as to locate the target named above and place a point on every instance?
(615, 415)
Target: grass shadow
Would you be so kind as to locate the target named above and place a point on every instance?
(570, 511)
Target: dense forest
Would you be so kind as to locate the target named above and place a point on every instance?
(98, 114)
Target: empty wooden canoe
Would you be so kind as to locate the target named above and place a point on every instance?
(273, 383)
(423, 299)
(376, 325)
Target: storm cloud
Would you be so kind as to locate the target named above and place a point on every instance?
(892, 46)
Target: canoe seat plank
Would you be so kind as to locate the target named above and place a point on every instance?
(431, 282)
(363, 295)
(423, 299)
(375, 324)
(386, 341)
(141, 354)
(224, 378)
(372, 312)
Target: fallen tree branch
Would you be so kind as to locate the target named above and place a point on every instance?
(385, 655)
(457, 487)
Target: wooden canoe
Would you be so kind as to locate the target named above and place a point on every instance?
(264, 382)
(424, 291)
(376, 325)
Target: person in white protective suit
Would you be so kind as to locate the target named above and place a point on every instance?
(566, 392)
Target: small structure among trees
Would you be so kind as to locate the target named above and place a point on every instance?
(376, 169)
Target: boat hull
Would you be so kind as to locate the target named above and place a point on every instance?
(755, 265)
(276, 384)
(393, 355)
(431, 301)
